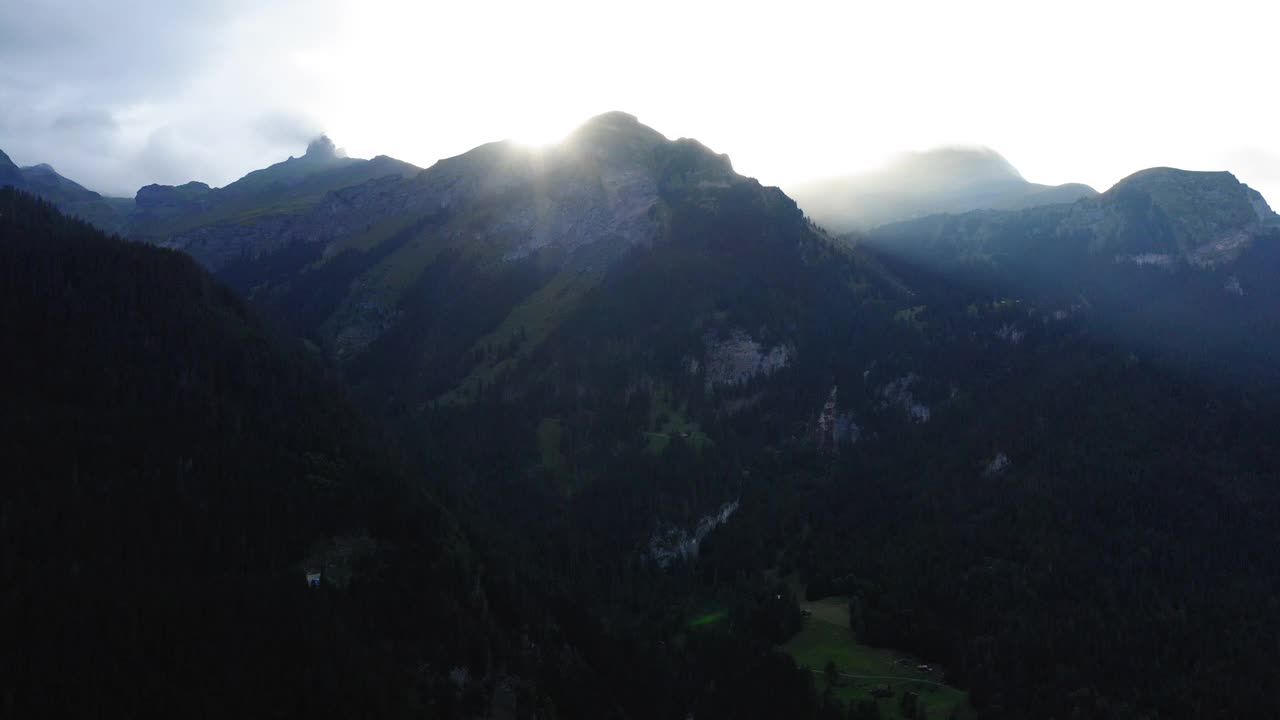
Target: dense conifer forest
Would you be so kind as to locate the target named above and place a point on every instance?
(546, 487)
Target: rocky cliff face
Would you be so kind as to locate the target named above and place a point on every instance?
(670, 543)
(735, 359)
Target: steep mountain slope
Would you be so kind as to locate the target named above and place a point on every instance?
(10, 174)
(174, 476)
(567, 334)
(171, 475)
(1000, 453)
(613, 343)
(945, 180)
(542, 228)
(654, 394)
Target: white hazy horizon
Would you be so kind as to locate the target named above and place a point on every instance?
(120, 94)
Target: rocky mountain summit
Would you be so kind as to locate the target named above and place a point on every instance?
(1165, 215)
(322, 155)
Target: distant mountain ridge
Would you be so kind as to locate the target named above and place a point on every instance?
(270, 196)
(158, 211)
(108, 213)
(944, 180)
(1183, 260)
(1164, 215)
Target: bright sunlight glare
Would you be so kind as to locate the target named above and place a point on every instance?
(790, 93)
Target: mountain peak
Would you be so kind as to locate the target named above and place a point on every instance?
(617, 129)
(1168, 177)
(322, 148)
(615, 118)
(951, 165)
(1193, 192)
(1207, 218)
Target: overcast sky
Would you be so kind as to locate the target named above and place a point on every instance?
(124, 93)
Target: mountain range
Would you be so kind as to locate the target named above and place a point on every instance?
(635, 410)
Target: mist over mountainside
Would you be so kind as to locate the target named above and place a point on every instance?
(107, 213)
(1178, 260)
(662, 407)
(944, 180)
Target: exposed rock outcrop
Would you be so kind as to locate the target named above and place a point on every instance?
(835, 429)
(738, 358)
(898, 394)
(671, 543)
(997, 465)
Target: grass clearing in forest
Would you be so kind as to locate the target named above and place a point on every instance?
(826, 637)
(667, 421)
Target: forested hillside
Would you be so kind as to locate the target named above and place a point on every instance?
(660, 393)
(654, 402)
(171, 476)
(176, 476)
